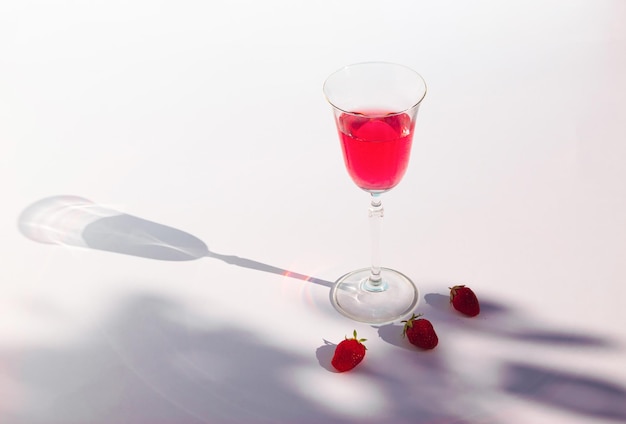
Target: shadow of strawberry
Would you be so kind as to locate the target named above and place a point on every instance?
(324, 355)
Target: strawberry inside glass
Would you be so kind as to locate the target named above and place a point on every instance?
(376, 148)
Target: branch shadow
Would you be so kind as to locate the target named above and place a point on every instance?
(574, 392)
(499, 320)
(579, 394)
(78, 222)
(151, 362)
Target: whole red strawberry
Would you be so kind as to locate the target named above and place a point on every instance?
(464, 300)
(420, 332)
(348, 353)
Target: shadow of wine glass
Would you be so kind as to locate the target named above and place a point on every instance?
(78, 222)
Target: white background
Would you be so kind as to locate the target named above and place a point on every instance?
(208, 118)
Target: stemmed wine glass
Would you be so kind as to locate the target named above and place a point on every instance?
(375, 105)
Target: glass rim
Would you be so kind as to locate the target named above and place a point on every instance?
(343, 68)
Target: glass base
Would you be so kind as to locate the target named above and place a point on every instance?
(353, 296)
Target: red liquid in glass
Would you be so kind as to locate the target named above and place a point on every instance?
(376, 149)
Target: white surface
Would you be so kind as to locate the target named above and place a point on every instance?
(208, 118)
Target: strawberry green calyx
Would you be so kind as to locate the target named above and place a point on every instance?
(454, 289)
(409, 323)
(355, 337)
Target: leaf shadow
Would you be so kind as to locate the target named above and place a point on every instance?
(151, 361)
(577, 393)
(502, 321)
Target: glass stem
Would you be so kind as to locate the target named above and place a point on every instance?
(376, 212)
